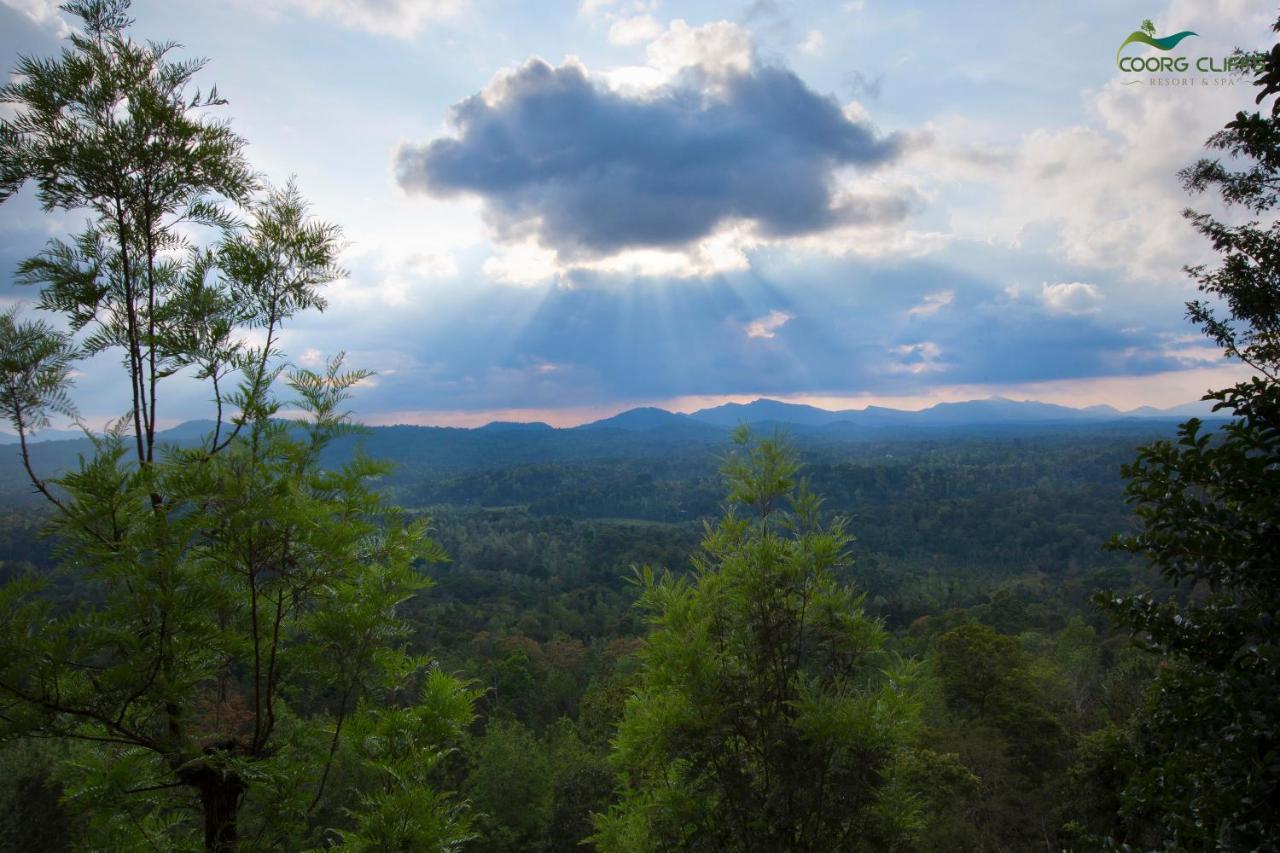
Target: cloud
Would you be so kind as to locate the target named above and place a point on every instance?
(43, 13)
(1193, 351)
(846, 330)
(393, 269)
(594, 7)
(634, 30)
(402, 18)
(838, 326)
(1071, 298)
(863, 85)
(922, 357)
(718, 49)
(768, 325)
(1103, 192)
(933, 303)
(814, 43)
(590, 172)
(524, 264)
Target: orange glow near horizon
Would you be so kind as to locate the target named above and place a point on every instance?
(1160, 390)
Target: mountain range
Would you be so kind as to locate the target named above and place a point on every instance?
(991, 412)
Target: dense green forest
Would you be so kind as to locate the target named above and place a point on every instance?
(537, 606)
(260, 635)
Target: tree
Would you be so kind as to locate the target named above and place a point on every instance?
(768, 716)
(998, 725)
(1205, 747)
(239, 597)
(510, 787)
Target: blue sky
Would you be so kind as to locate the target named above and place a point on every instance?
(560, 210)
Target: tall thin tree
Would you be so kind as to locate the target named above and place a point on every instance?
(238, 596)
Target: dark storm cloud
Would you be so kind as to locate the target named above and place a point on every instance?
(592, 172)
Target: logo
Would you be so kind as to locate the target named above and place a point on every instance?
(1146, 34)
(1216, 71)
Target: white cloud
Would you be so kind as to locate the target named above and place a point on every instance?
(767, 326)
(431, 263)
(814, 43)
(1102, 192)
(594, 7)
(1106, 188)
(43, 13)
(724, 251)
(634, 81)
(716, 49)
(635, 30)
(933, 303)
(311, 358)
(872, 241)
(402, 18)
(392, 272)
(719, 48)
(528, 264)
(856, 111)
(923, 357)
(523, 264)
(1072, 297)
(1192, 350)
(399, 249)
(394, 290)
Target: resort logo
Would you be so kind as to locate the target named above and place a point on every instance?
(1221, 71)
(1146, 34)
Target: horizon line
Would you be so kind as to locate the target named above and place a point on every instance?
(1171, 389)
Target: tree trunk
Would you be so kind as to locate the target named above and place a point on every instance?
(220, 794)
(220, 797)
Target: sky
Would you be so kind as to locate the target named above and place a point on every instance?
(561, 210)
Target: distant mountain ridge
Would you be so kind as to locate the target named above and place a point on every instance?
(993, 411)
(43, 435)
(652, 433)
(515, 426)
(644, 418)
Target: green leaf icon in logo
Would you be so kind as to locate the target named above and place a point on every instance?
(1147, 36)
